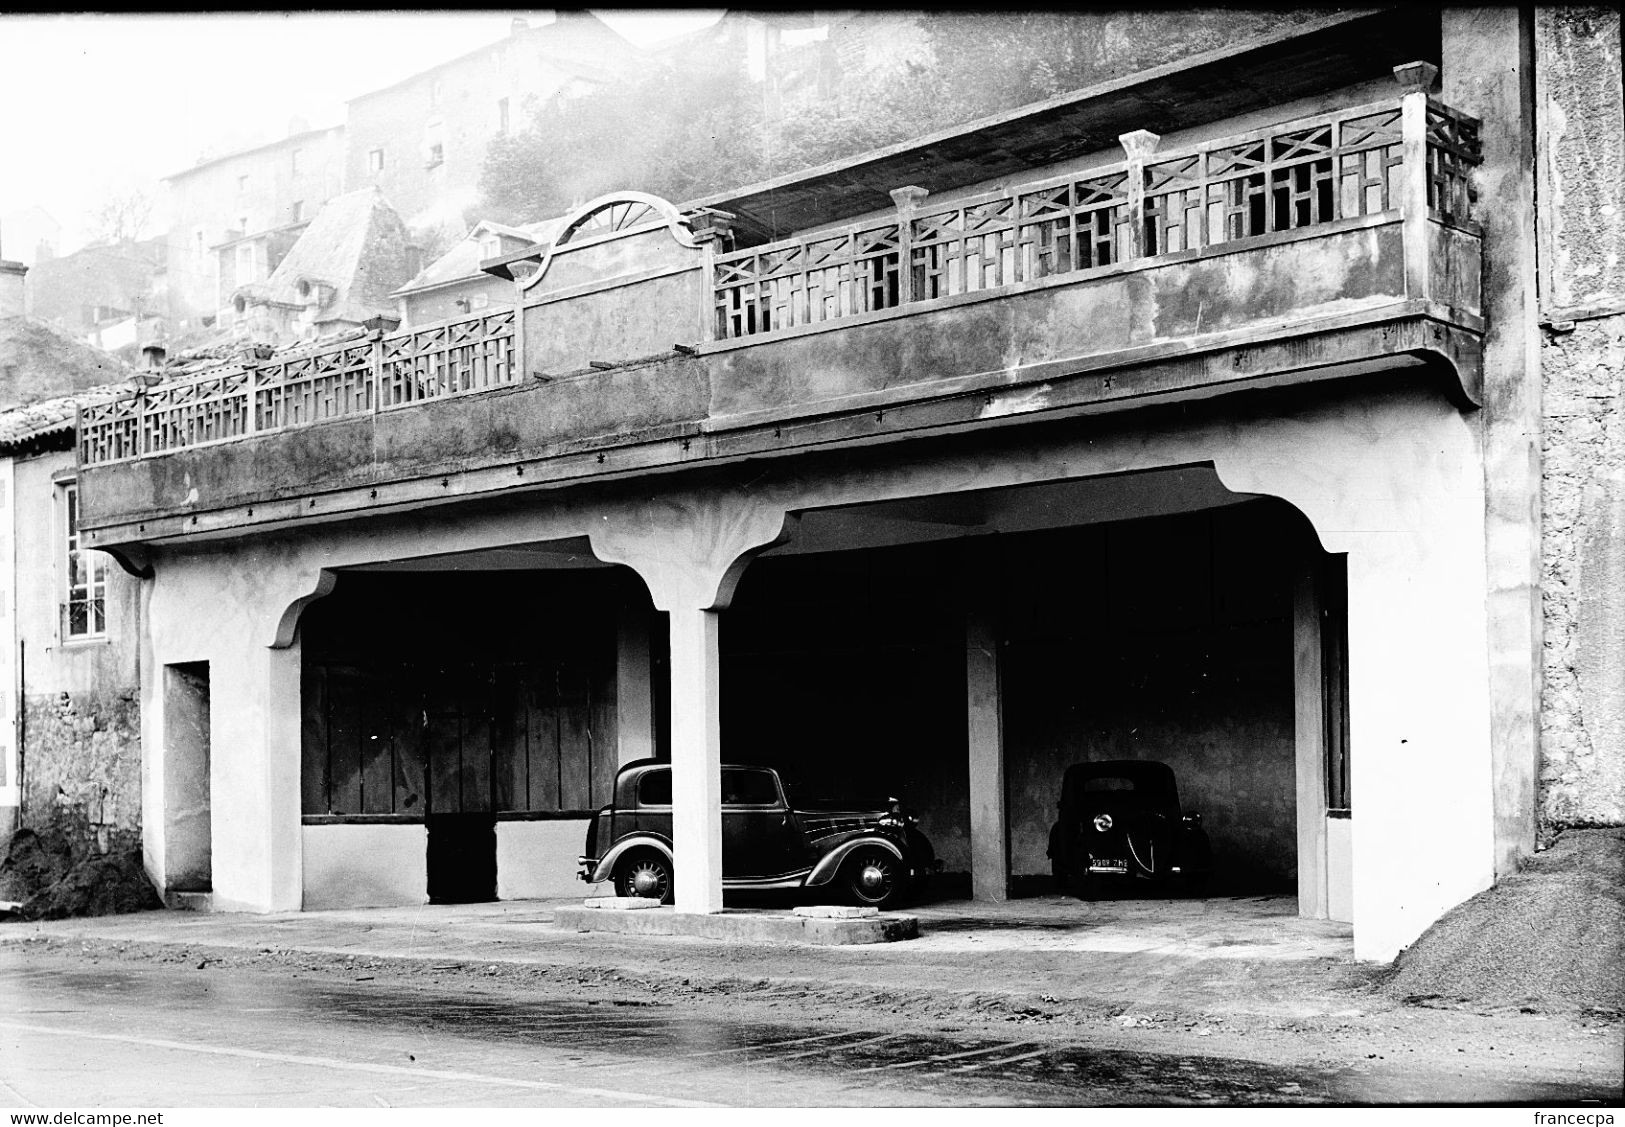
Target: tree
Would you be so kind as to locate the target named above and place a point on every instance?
(688, 129)
(122, 216)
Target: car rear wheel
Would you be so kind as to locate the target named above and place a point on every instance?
(644, 873)
(874, 877)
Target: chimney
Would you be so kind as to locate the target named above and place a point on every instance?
(152, 356)
(11, 288)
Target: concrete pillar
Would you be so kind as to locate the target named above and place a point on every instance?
(989, 837)
(1488, 72)
(1419, 763)
(255, 758)
(634, 690)
(1309, 724)
(696, 759)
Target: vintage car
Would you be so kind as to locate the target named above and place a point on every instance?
(1120, 824)
(868, 850)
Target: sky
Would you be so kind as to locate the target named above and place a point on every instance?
(95, 104)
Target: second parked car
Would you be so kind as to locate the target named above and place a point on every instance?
(866, 850)
(1121, 826)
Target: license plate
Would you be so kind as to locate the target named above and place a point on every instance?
(1107, 865)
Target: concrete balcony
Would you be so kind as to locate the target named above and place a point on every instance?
(1323, 248)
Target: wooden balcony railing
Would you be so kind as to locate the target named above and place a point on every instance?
(1408, 157)
(352, 377)
(1287, 177)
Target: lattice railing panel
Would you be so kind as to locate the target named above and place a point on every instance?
(109, 432)
(1050, 228)
(307, 389)
(1299, 175)
(1454, 150)
(804, 282)
(463, 356)
(210, 408)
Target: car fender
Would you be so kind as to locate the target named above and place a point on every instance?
(606, 864)
(831, 862)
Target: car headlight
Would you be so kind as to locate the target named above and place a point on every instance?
(1103, 822)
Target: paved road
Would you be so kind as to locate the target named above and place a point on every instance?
(137, 1035)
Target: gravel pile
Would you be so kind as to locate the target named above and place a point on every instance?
(1550, 937)
(39, 871)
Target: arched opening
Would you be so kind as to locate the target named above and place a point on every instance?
(1143, 616)
(462, 718)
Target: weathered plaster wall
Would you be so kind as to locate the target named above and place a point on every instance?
(1582, 157)
(1582, 227)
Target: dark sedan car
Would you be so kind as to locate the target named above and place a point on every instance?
(869, 850)
(1120, 824)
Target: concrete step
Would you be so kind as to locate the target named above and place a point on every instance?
(741, 925)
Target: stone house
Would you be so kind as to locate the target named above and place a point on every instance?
(422, 141)
(1256, 413)
(337, 275)
(233, 216)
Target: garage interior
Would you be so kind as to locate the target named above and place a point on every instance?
(1143, 616)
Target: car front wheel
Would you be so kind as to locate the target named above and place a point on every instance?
(644, 873)
(874, 877)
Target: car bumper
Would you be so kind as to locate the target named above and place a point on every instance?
(586, 866)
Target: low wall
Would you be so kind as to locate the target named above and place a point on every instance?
(537, 859)
(365, 866)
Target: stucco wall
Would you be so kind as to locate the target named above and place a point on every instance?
(538, 859)
(1582, 229)
(365, 866)
(80, 722)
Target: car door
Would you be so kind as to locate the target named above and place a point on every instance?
(758, 834)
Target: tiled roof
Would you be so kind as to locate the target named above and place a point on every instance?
(356, 244)
(22, 426)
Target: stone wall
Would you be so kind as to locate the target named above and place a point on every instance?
(1583, 564)
(1582, 231)
(82, 771)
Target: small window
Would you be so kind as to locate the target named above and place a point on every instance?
(749, 788)
(242, 183)
(297, 211)
(437, 155)
(436, 89)
(375, 160)
(654, 789)
(200, 246)
(502, 115)
(85, 612)
(245, 265)
(293, 161)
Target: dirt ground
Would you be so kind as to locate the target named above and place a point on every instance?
(1393, 1041)
(1518, 984)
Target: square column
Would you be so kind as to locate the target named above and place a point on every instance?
(1310, 737)
(634, 688)
(696, 760)
(989, 842)
(254, 766)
